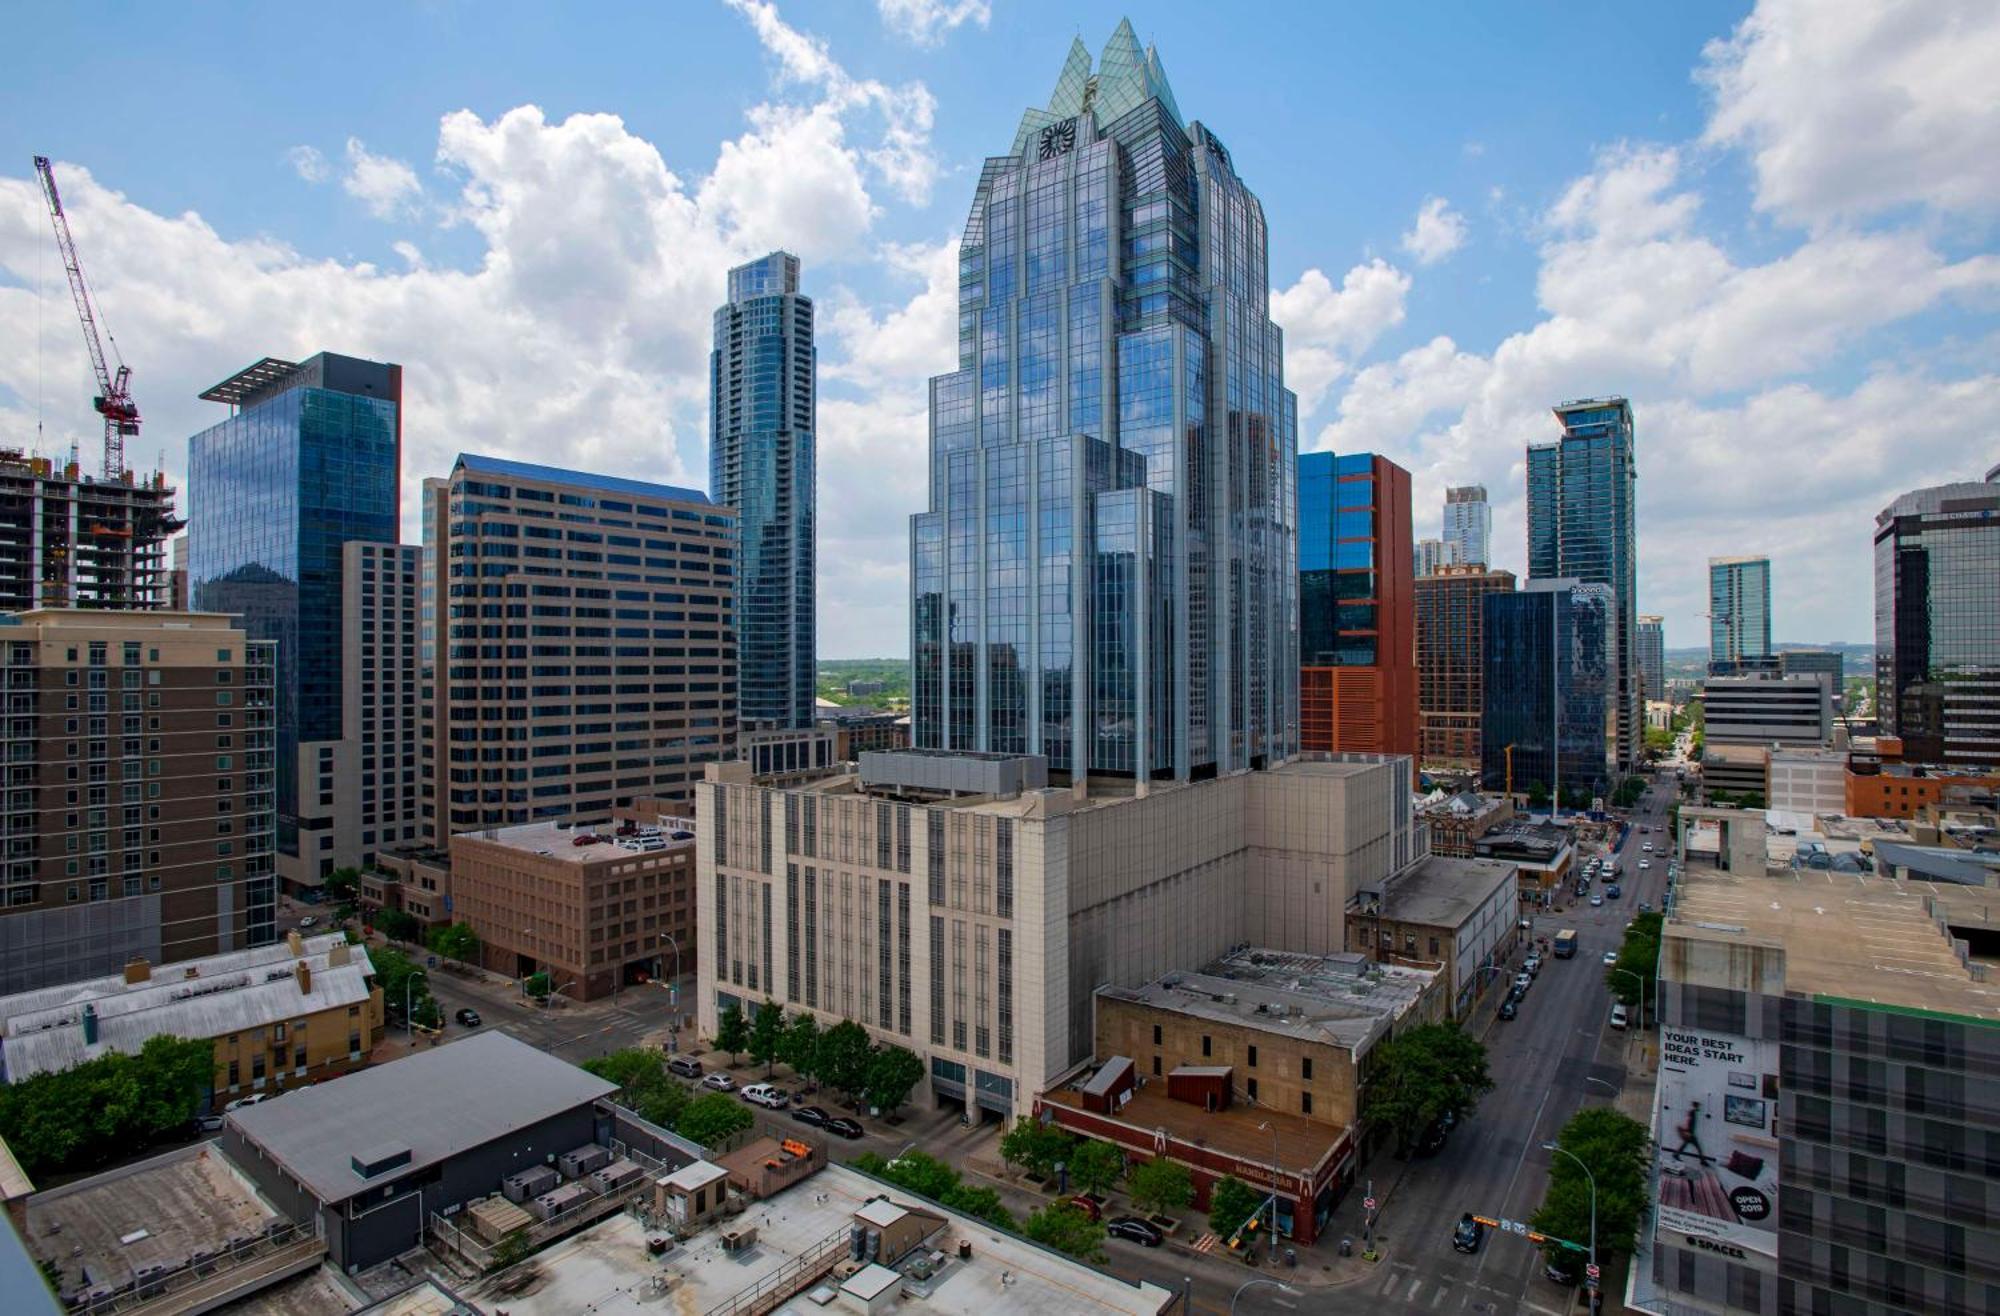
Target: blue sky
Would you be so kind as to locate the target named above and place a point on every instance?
(1775, 235)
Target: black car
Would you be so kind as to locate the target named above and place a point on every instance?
(1612, 892)
(1133, 1229)
(843, 1126)
(1466, 1237)
(470, 1018)
(817, 1116)
(1509, 1008)
(1433, 1140)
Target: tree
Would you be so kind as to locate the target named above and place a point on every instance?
(1616, 1149)
(712, 1119)
(799, 1047)
(732, 1033)
(455, 941)
(397, 925)
(1035, 1146)
(842, 1059)
(1417, 1078)
(106, 1107)
(1095, 1166)
(892, 1072)
(536, 985)
(980, 1203)
(767, 1030)
(342, 885)
(512, 1249)
(1230, 1203)
(643, 1084)
(920, 1172)
(1160, 1186)
(1068, 1230)
(1538, 794)
(403, 982)
(1640, 956)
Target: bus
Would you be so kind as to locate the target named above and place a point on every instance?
(1566, 943)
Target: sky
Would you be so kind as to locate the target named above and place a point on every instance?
(1771, 226)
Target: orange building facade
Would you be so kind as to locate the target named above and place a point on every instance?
(1357, 620)
(1899, 792)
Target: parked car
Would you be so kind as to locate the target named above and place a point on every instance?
(684, 1066)
(1564, 1271)
(816, 1116)
(1133, 1229)
(1597, 898)
(1645, 907)
(1433, 1140)
(845, 1127)
(207, 1123)
(1610, 957)
(1523, 981)
(1086, 1205)
(468, 1017)
(1613, 891)
(1509, 1008)
(1466, 1237)
(308, 921)
(766, 1095)
(1619, 1016)
(719, 1082)
(1533, 964)
(242, 1102)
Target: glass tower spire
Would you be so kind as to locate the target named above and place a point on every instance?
(1107, 574)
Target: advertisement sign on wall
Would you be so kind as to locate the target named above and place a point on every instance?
(1718, 1145)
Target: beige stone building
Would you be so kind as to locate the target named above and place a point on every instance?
(138, 818)
(957, 905)
(596, 909)
(1458, 916)
(416, 880)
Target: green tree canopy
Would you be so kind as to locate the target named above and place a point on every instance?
(397, 925)
(1538, 793)
(843, 1055)
(1035, 1146)
(1420, 1076)
(1230, 1203)
(799, 1047)
(1068, 1230)
(924, 1174)
(1616, 1149)
(342, 885)
(1095, 1166)
(1640, 955)
(767, 1031)
(107, 1107)
(712, 1118)
(403, 980)
(454, 941)
(1160, 1186)
(732, 1032)
(892, 1072)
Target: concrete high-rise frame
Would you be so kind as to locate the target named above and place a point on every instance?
(1739, 614)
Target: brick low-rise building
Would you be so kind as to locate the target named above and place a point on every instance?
(1457, 822)
(1897, 790)
(1459, 916)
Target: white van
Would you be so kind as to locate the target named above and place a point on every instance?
(766, 1095)
(1618, 1016)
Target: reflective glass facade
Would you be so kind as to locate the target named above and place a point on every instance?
(1106, 574)
(1739, 613)
(1549, 692)
(1357, 649)
(1468, 524)
(273, 493)
(1937, 623)
(761, 458)
(1652, 657)
(1582, 500)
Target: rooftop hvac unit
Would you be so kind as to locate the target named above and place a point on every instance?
(583, 1160)
(619, 1174)
(526, 1185)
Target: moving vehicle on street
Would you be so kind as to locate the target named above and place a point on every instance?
(310, 920)
(1610, 957)
(468, 1017)
(719, 1083)
(1597, 898)
(1468, 1234)
(1620, 1017)
(1566, 943)
(1613, 891)
(845, 1127)
(1133, 1229)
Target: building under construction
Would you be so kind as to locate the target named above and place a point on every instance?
(68, 540)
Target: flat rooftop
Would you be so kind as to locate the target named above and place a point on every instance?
(437, 1103)
(169, 1208)
(1857, 936)
(606, 1270)
(1445, 891)
(1242, 1132)
(559, 841)
(1342, 1000)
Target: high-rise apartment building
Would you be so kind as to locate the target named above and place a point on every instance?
(1357, 621)
(309, 460)
(1433, 555)
(1468, 524)
(378, 761)
(68, 540)
(139, 792)
(1582, 509)
(1652, 634)
(761, 463)
(1450, 612)
(1107, 572)
(577, 652)
(1937, 644)
(1551, 693)
(1739, 615)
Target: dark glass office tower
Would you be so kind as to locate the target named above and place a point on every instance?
(1739, 616)
(1550, 692)
(1357, 611)
(761, 462)
(1937, 622)
(1582, 500)
(308, 460)
(1107, 572)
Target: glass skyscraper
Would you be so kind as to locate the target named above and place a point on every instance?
(1652, 656)
(762, 419)
(309, 459)
(1107, 572)
(1937, 622)
(1550, 692)
(1582, 498)
(1468, 524)
(1739, 615)
(1357, 619)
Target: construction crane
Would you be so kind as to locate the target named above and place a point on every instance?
(114, 391)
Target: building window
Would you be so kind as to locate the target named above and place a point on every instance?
(1206, 1045)
(1253, 1057)
(1305, 1103)
(1156, 1034)
(1156, 1066)
(1250, 1087)
(1306, 1069)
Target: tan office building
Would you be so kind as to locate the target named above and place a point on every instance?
(138, 819)
(576, 643)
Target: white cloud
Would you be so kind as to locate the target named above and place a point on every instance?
(1327, 328)
(903, 346)
(1438, 232)
(928, 22)
(1848, 110)
(309, 163)
(387, 186)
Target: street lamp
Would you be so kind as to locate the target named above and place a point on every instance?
(1642, 990)
(409, 986)
(1272, 1129)
(1592, 1179)
(1253, 1283)
(674, 986)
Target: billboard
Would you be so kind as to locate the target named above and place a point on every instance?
(1716, 1125)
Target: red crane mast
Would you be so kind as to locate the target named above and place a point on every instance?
(114, 391)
